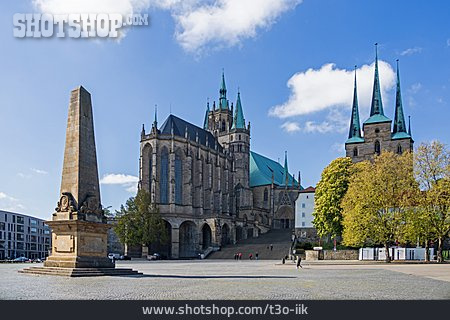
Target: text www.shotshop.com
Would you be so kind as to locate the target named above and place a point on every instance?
(268, 309)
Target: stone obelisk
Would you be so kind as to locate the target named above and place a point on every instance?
(79, 226)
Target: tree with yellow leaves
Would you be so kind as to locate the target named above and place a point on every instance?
(377, 198)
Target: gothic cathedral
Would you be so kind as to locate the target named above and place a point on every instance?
(210, 188)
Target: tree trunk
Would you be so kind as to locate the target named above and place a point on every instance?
(427, 251)
(388, 257)
(439, 253)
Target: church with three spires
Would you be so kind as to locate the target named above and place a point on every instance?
(209, 187)
(378, 134)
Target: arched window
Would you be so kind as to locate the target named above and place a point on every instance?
(266, 196)
(223, 125)
(399, 149)
(355, 151)
(164, 177)
(377, 147)
(150, 170)
(178, 179)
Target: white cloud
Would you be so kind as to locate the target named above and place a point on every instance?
(448, 42)
(4, 196)
(128, 181)
(224, 23)
(38, 171)
(9, 203)
(411, 51)
(199, 23)
(290, 127)
(415, 87)
(330, 87)
(24, 175)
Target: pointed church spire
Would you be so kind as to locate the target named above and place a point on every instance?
(286, 170)
(155, 122)
(377, 104)
(355, 128)
(223, 104)
(238, 120)
(399, 118)
(409, 126)
(205, 122)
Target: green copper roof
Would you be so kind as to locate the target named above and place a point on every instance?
(399, 118)
(355, 128)
(400, 135)
(354, 140)
(376, 107)
(205, 122)
(377, 118)
(262, 168)
(238, 120)
(223, 103)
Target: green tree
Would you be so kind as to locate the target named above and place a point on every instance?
(139, 222)
(330, 191)
(432, 169)
(378, 196)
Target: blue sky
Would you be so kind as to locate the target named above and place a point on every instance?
(176, 61)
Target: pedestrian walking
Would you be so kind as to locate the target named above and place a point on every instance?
(299, 260)
(250, 256)
(240, 255)
(256, 255)
(271, 247)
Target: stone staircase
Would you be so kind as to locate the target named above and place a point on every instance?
(80, 272)
(280, 239)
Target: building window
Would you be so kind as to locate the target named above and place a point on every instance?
(303, 223)
(303, 205)
(223, 125)
(377, 130)
(33, 230)
(20, 229)
(266, 195)
(164, 179)
(239, 137)
(33, 222)
(231, 138)
(178, 179)
(399, 149)
(303, 214)
(20, 220)
(377, 147)
(355, 152)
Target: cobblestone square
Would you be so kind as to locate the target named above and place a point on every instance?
(229, 279)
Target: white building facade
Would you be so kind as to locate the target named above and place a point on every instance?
(304, 207)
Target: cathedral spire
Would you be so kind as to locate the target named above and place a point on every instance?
(238, 121)
(286, 170)
(205, 122)
(377, 104)
(155, 122)
(355, 128)
(399, 118)
(223, 104)
(409, 126)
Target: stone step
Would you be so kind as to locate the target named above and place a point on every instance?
(80, 272)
